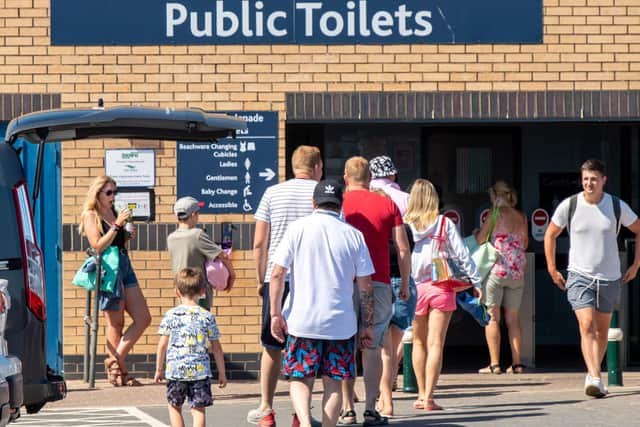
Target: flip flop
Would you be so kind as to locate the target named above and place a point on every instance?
(380, 410)
(418, 404)
(432, 406)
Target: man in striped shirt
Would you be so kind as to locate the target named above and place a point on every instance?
(281, 204)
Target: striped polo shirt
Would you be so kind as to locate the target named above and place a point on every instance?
(282, 204)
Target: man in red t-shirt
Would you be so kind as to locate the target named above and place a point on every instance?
(379, 220)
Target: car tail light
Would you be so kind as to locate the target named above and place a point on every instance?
(33, 263)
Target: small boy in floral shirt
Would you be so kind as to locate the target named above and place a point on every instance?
(185, 333)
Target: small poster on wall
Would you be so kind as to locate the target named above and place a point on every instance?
(141, 201)
(131, 167)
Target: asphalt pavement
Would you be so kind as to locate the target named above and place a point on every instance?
(530, 399)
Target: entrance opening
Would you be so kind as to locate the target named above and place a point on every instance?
(542, 161)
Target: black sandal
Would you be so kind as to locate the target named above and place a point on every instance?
(373, 418)
(518, 368)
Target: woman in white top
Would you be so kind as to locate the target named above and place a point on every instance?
(435, 304)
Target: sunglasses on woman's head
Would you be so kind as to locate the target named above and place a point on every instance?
(110, 192)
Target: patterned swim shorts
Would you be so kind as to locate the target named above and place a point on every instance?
(305, 357)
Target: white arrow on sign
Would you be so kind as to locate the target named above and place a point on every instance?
(268, 174)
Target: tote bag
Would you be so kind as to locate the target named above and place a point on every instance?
(444, 272)
(85, 277)
(485, 254)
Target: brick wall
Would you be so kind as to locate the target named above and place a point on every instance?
(589, 45)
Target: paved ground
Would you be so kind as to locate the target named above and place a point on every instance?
(536, 399)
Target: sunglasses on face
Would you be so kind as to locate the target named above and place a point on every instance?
(109, 193)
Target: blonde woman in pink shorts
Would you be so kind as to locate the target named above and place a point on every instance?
(435, 304)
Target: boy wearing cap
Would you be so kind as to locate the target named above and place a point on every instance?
(191, 247)
(323, 255)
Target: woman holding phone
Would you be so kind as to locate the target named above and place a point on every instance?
(104, 226)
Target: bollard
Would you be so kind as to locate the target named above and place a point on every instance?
(408, 376)
(615, 335)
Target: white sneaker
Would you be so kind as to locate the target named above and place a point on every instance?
(593, 387)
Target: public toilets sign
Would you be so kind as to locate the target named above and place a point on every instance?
(244, 22)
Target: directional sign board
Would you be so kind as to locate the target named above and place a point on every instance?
(230, 175)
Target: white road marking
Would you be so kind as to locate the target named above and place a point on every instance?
(143, 416)
(91, 417)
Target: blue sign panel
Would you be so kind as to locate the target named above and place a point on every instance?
(244, 22)
(230, 175)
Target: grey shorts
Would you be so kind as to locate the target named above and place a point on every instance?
(382, 312)
(585, 292)
(503, 292)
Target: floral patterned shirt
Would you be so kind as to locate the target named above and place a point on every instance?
(189, 328)
(511, 261)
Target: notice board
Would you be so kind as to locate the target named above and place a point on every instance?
(231, 175)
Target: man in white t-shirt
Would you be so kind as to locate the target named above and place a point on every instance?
(594, 281)
(324, 256)
(280, 205)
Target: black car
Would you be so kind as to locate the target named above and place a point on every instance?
(21, 260)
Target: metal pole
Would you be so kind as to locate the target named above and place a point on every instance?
(94, 323)
(613, 355)
(409, 384)
(87, 324)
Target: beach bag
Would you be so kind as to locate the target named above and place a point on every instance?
(444, 271)
(474, 307)
(85, 277)
(484, 254)
(217, 273)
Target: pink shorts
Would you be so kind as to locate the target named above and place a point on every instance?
(434, 297)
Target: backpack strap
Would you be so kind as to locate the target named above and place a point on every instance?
(573, 202)
(616, 212)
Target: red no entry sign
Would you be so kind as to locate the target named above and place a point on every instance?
(540, 217)
(484, 215)
(453, 215)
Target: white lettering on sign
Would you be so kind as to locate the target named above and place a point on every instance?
(225, 205)
(189, 147)
(224, 154)
(221, 178)
(359, 20)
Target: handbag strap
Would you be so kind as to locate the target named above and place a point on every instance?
(441, 234)
(492, 224)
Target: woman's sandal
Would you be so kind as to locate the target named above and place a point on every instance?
(112, 369)
(418, 404)
(127, 380)
(491, 369)
(518, 368)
